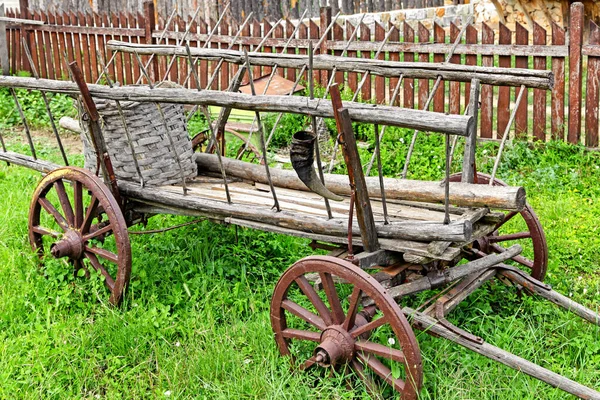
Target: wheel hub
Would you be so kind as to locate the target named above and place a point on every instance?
(71, 245)
(336, 347)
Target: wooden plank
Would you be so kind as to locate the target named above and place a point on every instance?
(109, 53)
(503, 110)
(468, 169)
(85, 65)
(423, 37)
(592, 91)
(40, 49)
(470, 38)
(439, 36)
(487, 91)
(575, 72)
(302, 34)
(380, 80)
(325, 19)
(13, 47)
(56, 48)
(290, 73)
(539, 95)
(137, 21)
(365, 35)
(119, 65)
(394, 56)
(338, 34)
(454, 102)
(266, 28)
(203, 28)
(174, 72)
(313, 33)
(279, 33)
(521, 119)
(557, 98)
(352, 78)
(93, 56)
(4, 40)
(409, 84)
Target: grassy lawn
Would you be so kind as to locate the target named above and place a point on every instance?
(195, 320)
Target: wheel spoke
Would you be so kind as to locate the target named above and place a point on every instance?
(290, 333)
(99, 267)
(380, 369)
(89, 215)
(60, 220)
(304, 314)
(107, 255)
(351, 316)
(78, 201)
(507, 218)
(101, 231)
(380, 350)
(512, 236)
(314, 298)
(376, 323)
(308, 363)
(372, 387)
(332, 297)
(45, 231)
(519, 259)
(63, 198)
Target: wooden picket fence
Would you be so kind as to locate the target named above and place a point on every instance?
(546, 115)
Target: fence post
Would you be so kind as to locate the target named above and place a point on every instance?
(575, 69)
(24, 12)
(325, 19)
(592, 91)
(3, 45)
(150, 25)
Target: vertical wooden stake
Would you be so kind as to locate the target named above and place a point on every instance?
(468, 170)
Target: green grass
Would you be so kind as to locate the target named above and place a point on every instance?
(195, 320)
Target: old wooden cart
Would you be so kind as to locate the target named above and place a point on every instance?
(329, 311)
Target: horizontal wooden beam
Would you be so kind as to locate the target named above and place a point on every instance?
(360, 112)
(90, 30)
(461, 194)
(472, 49)
(450, 72)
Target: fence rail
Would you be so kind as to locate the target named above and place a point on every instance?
(568, 112)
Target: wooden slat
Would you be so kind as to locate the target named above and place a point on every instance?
(409, 84)
(258, 33)
(181, 62)
(487, 91)
(470, 38)
(174, 72)
(539, 96)
(575, 72)
(454, 103)
(313, 33)
(380, 80)
(137, 21)
(338, 34)
(290, 73)
(365, 35)
(394, 56)
(112, 66)
(352, 76)
(557, 99)
(278, 33)
(592, 92)
(324, 22)
(119, 69)
(39, 46)
(89, 18)
(85, 48)
(203, 63)
(423, 37)
(13, 45)
(503, 109)
(521, 119)
(439, 36)
(56, 48)
(194, 43)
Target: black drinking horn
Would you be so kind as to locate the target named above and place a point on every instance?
(302, 155)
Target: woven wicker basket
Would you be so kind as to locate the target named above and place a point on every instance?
(156, 158)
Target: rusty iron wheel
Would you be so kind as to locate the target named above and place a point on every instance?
(73, 212)
(498, 241)
(375, 342)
